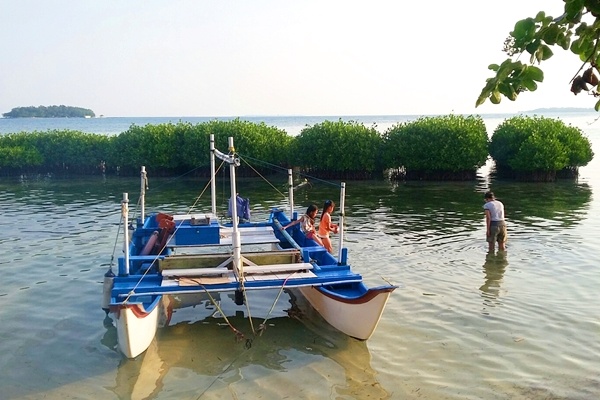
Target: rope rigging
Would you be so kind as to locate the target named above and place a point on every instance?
(275, 167)
(246, 160)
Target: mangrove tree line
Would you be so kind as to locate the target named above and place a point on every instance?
(449, 147)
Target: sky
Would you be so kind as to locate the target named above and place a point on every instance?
(185, 58)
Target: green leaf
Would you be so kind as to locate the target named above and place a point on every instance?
(597, 106)
(534, 73)
(573, 8)
(529, 84)
(540, 16)
(524, 30)
(564, 41)
(533, 46)
(576, 46)
(508, 91)
(550, 35)
(544, 53)
(480, 100)
(593, 6)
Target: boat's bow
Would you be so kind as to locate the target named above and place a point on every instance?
(350, 308)
(136, 325)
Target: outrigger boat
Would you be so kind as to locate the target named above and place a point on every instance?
(191, 255)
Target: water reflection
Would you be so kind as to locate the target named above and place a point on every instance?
(549, 205)
(494, 268)
(421, 207)
(189, 360)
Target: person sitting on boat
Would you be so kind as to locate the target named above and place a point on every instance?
(307, 224)
(242, 208)
(326, 226)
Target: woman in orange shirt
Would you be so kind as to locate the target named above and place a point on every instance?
(326, 226)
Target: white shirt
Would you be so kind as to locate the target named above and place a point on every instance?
(496, 209)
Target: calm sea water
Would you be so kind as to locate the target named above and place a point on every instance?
(116, 125)
(465, 324)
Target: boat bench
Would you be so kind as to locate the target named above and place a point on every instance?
(169, 273)
(192, 261)
(214, 260)
(248, 269)
(267, 269)
(249, 235)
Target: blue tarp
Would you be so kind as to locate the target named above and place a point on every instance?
(242, 207)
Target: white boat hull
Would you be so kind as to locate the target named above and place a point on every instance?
(136, 328)
(174, 261)
(354, 318)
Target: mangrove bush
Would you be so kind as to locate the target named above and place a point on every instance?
(449, 147)
(344, 150)
(169, 148)
(538, 149)
(54, 151)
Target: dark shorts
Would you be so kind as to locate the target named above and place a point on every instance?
(497, 232)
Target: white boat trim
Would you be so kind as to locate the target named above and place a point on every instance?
(136, 328)
(358, 320)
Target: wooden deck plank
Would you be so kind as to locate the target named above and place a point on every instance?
(263, 269)
(284, 270)
(194, 272)
(278, 276)
(206, 280)
(250, 239)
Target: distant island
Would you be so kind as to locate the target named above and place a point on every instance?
(560, 110)
(49, 112)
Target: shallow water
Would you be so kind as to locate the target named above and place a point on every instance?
(465, 324)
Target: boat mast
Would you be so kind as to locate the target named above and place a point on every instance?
(233, 162)
(143, 185)
(291, 192)
(213, 192)
(341, 224)
(125, 215)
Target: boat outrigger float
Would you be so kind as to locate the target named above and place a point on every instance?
(189, 255)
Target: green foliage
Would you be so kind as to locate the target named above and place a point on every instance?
(192, 142)
(433, 145)
(17, 157)
(577, 30)
(338, 148)
(150, 145)
(259, 141)
(537, 144)
(49, 112)
(183, 146)
(445, 147)
(54, 150)
(163, 149)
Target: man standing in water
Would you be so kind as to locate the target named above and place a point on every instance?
(494, 222)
